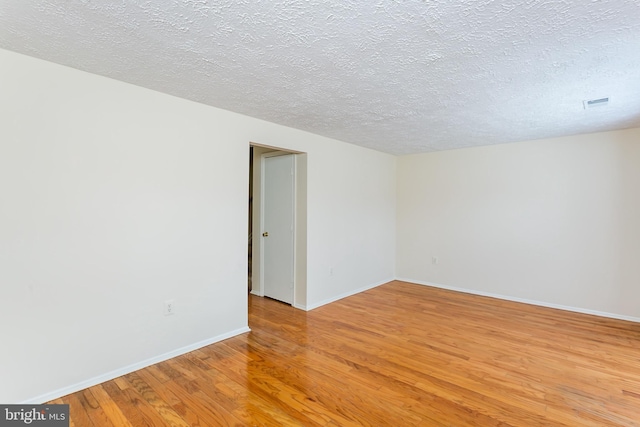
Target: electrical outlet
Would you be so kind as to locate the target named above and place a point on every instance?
(434, 260)
(169, 307)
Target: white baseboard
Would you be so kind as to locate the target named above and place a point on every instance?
(346, 294)
(525, 301)
(46, 397)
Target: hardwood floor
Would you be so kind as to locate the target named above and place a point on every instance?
(397, 355)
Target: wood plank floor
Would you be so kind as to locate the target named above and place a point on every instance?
(397, 355)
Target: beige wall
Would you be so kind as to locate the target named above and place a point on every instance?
(116, 198)
(553, 221)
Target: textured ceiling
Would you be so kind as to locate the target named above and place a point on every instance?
(397, 76)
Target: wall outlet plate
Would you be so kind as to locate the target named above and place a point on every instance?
(169, 307)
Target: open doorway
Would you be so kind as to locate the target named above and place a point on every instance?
(267, 276)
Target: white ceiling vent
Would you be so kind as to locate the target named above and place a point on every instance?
(592, 103)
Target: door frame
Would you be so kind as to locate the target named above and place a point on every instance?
(299, 219)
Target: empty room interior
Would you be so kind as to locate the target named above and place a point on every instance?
(461, 222)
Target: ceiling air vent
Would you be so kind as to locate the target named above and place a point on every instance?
(592, 103)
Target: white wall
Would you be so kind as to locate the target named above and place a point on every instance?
(115, 198)
(554, 221)
(350, 202)
(301, 244)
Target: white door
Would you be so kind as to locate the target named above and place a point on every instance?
(278, 226)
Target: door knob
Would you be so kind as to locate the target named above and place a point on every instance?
(265, 234)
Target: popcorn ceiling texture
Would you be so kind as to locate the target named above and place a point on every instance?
(396, 76)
